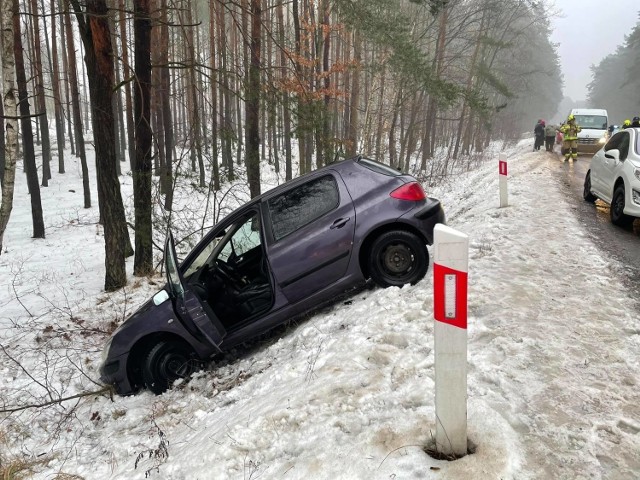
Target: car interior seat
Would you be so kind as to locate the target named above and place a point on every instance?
(256, 296)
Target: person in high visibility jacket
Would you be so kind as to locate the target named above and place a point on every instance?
(636, 122)
(570, 130)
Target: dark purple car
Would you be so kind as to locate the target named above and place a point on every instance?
(284, 253)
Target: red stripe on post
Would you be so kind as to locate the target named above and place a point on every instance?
(502, 166)
(441, 308)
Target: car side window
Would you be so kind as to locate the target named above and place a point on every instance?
(302, 205)
(624, 146)
(614, 142)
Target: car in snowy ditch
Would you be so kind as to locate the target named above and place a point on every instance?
(614, 176)
(289, 251)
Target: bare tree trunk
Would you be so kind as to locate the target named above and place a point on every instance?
(67, 94)
(3, 161)
(227, 128)
(55, 83)
(77, 117)
(27, 133)
(380, 129)
(167, 119)
(94, 31)
(215, 165)
(127, 85)
(429, 135)
(10, 115)
(285, 95)
(472, 68)
(194, 108)
(116, 101)
(354, 101)
(393, 160)
(40, 96)
(326, 147)
(252, 104)
(143, 260)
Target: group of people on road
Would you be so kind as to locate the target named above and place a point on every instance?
(544, 135)
(565, 134)
(549, 135)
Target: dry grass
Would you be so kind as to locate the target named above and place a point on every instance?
(13, 467)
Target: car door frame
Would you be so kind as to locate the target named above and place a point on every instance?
(598, 167)
(612, 166)
(189, 308)
(341, 219)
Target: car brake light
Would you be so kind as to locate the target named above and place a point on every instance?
(409, 191)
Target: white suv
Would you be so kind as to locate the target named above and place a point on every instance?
(614, 176)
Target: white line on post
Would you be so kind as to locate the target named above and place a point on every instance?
(451, 265)
(502, 170)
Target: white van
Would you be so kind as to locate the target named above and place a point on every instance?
(594, 123)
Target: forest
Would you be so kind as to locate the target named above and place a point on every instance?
(616, 80)
(211, 92)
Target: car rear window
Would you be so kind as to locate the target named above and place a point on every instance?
(379, 167)
(302, 205)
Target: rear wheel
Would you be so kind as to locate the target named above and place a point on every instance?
(398, 258)
(586, 193)
(166, 362)
(617, 208)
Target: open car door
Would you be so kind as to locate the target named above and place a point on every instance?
(190, 309)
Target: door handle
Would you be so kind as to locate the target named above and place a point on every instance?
(339, 223)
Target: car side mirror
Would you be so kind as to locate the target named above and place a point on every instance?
(613, 154)
(160, 297)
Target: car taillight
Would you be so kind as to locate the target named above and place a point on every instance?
(409, 191)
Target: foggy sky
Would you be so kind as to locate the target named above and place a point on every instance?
(588, 31)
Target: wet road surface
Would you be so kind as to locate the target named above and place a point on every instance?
(621, 244)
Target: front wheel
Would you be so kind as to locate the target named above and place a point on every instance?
(618, 216)
(398, 258)
(586, 193)
(165, 363)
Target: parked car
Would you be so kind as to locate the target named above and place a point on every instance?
(291, 250)
(614, 176)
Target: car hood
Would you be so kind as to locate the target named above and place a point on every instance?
(591, 133)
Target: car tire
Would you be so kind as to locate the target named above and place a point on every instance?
(586, 193)
(165, 363)
(397, 258)
(617, 208)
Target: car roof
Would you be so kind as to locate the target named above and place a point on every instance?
(339, 165)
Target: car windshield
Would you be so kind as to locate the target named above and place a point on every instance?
(637, 142)
(598, 122)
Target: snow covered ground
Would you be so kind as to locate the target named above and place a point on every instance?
(554, 349)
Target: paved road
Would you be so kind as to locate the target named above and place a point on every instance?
(624, 245)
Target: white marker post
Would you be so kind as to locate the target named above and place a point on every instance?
(451, 264)
(502, 170)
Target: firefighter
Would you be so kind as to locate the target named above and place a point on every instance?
(570, 130)
(626, 123)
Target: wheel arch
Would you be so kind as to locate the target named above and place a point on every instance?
(619, 181)
(140, 349)
(365, 248)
